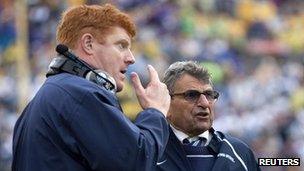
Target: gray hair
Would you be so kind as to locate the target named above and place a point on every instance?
(177, 69)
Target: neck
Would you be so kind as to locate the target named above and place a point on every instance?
(190, 134)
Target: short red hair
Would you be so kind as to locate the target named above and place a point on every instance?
(94, 19)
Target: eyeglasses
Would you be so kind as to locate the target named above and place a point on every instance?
(194, 95)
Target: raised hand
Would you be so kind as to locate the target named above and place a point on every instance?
(155, 95)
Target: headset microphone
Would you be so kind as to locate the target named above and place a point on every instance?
(64, 50)
(78, 67)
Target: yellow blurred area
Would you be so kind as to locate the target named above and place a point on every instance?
(129, 101)
(292, 35)
(250, 10)
(297, 100)
(151, 48)
(75, 2)
(9, 55)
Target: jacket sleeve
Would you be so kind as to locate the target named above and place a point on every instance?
(251, 161)
(108, 140)
(246, 154)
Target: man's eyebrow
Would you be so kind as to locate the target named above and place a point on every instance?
(122, 41)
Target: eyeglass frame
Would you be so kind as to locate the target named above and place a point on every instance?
(195, 99)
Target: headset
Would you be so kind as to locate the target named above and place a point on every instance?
(68, 62)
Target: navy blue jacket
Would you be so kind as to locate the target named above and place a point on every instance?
(230, 154)
(74, 125)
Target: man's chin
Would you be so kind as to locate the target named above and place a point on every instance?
(205, 127)
(119, 87)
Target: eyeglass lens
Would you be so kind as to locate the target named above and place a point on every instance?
(194, 95)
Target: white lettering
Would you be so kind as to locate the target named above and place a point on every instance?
(226, 156)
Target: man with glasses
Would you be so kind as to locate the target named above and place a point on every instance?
(193, 143)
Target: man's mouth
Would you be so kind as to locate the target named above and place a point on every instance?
(202, 114)
(123, 71)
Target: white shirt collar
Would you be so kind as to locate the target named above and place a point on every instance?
(181, 135)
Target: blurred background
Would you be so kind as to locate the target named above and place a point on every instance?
(254, 50)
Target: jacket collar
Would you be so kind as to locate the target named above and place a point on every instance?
(216, 141)
(176, 148)
(181, 135)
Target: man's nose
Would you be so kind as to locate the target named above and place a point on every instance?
(130, 59)
(203, 101)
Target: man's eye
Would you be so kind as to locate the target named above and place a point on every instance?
(192, 94)
(208, 93)
(122, 46)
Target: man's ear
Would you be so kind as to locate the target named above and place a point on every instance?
(87, 43)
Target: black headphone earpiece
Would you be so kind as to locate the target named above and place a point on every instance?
(68, 62)
(92, 76)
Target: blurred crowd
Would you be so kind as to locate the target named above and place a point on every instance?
(254, 50)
